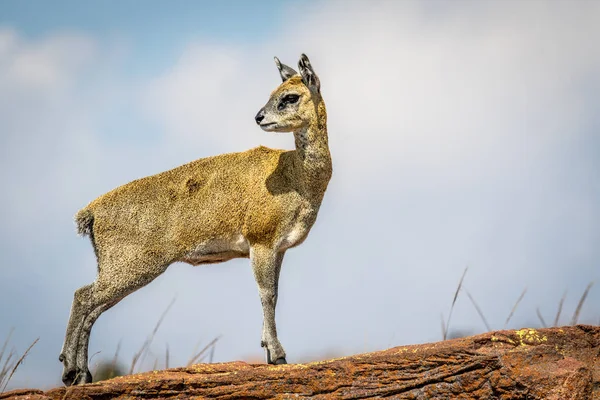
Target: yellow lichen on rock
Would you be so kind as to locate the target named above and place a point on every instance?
(529, 336)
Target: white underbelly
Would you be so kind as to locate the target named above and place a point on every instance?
(218, 250)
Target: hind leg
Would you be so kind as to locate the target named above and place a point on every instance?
(79, 310)
(82, 373)
(112, 285)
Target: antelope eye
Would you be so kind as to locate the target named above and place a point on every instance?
(287, 99)
(290, 98)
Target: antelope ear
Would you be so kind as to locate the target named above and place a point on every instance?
(310, 79)
(285, 71)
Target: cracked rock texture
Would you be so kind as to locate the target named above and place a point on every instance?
(550, 364)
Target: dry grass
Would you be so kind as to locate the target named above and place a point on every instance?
(560, 307)
(539, 315)
(447, 324)
(11, 363)
(7, 364)
(478, 309)
(107, 370)
(167, 357)
(576, 313)
(512, 311)
(198, 357)
(575, 317)
(461, 286)
(143, 351)
(113, 364)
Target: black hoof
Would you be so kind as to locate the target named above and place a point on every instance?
(85, 378)
(73, 377)
(279, 361)
(68, 377)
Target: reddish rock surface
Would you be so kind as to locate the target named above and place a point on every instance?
(550, 364)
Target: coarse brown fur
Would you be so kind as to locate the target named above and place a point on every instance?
(254, 204)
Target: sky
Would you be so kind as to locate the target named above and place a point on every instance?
(462, 133)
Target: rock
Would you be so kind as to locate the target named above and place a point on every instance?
(550, 364)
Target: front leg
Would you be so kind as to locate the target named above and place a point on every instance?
(266, 265)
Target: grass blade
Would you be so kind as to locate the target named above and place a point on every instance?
(113, 364)
(487, 326)
(212, 354)
(167, 357)
(460, 283)
(515, 307)
(201, 352)
(539, 315)
(444, 333)
(18, 363)
(560, 307)
(580, 304)
(7, 366)
(6, 343)
(146, 345)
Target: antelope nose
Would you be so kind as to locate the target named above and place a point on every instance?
(259, 117)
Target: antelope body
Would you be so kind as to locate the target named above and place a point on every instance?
(254, 204)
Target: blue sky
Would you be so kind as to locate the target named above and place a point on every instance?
(154, 32)
(154, 22)
(461, 135)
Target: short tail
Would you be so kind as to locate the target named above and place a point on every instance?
(84, 220)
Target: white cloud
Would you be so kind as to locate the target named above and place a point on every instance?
(44, 65)
(209, 98)
(7, 41)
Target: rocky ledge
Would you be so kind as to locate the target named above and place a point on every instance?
(554, 363)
